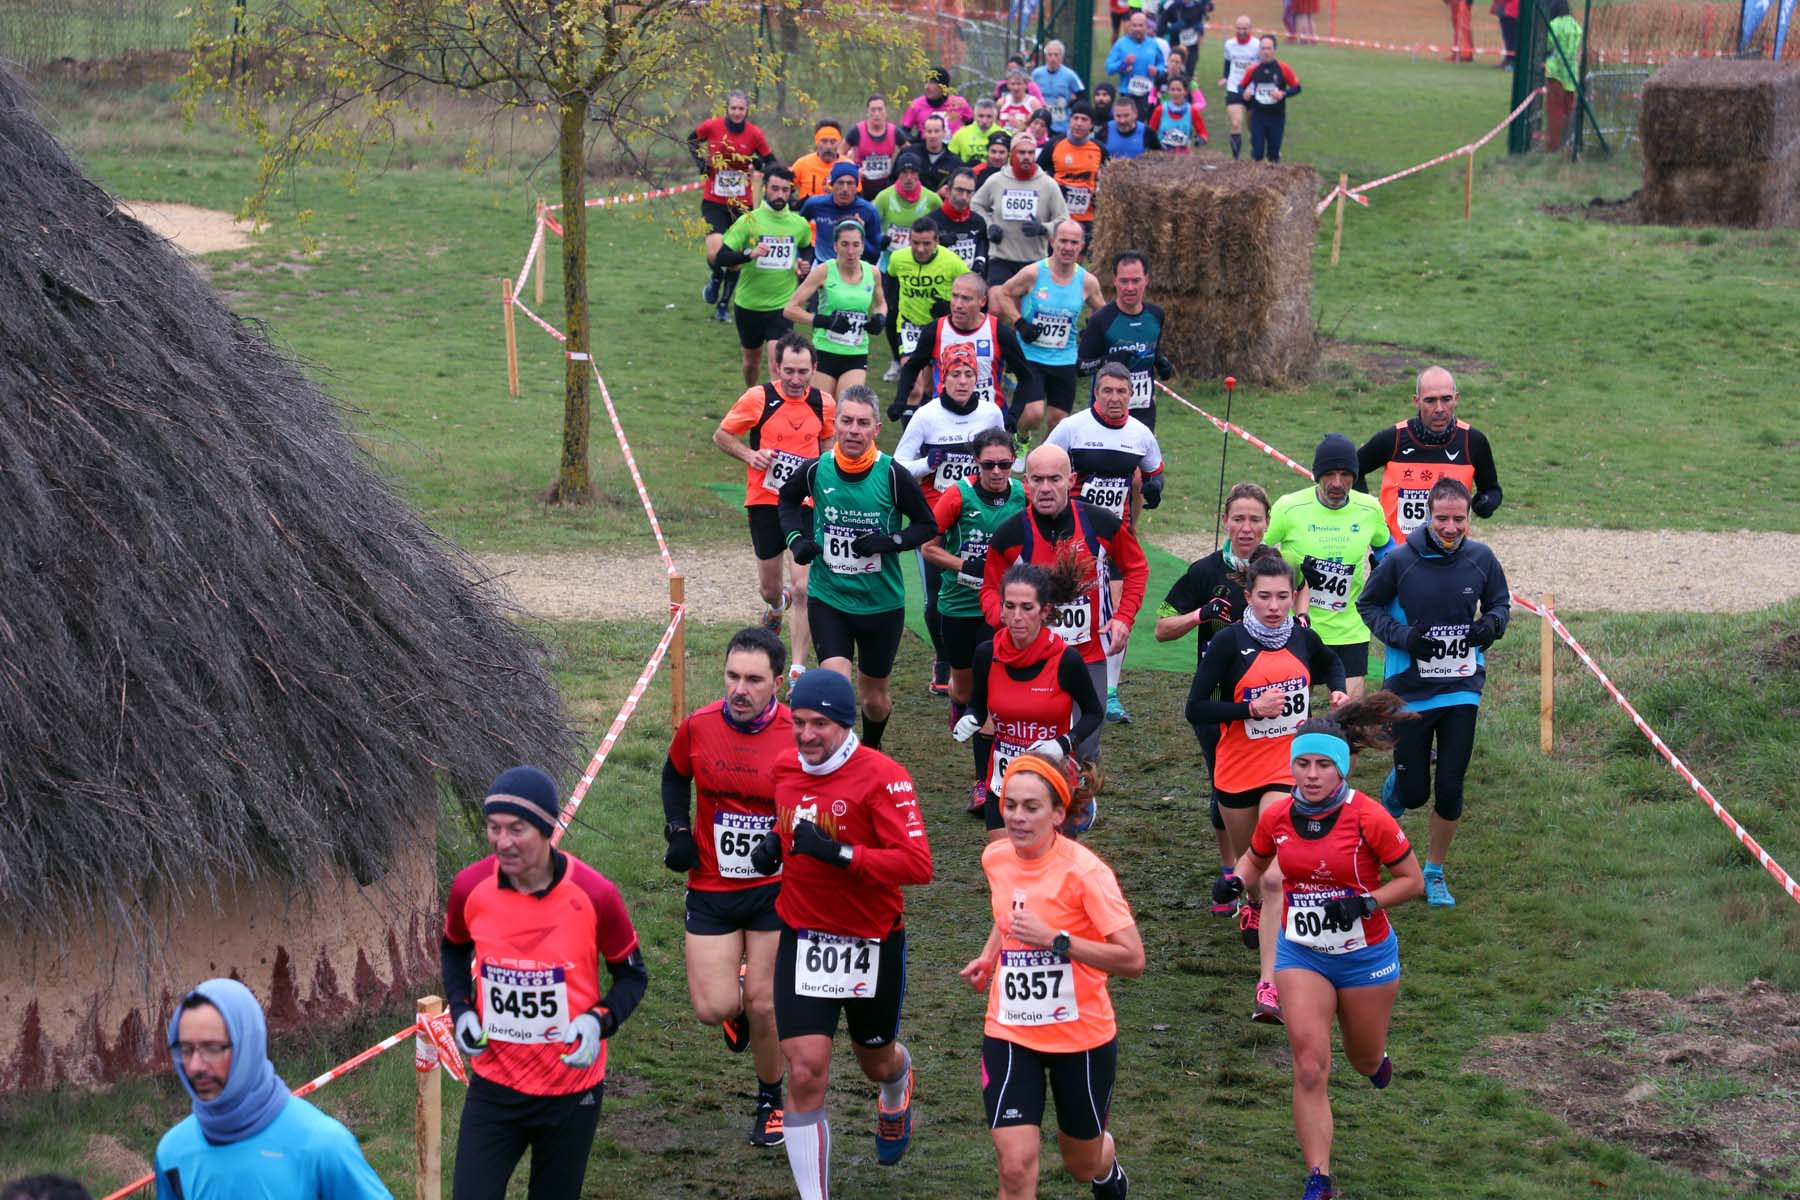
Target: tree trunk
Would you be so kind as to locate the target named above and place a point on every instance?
(573, 485)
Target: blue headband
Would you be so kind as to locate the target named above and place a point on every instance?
(1329, 744)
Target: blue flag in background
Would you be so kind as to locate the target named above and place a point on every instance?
(1754, 10)
(1781, 26)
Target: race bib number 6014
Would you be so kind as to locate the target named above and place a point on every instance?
(835, 966)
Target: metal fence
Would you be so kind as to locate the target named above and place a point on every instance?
(34, 33)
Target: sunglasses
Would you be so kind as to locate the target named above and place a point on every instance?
(995, 464)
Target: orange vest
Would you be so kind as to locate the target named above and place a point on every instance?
(1077, 169)
(1253, 752)
(1408, 476)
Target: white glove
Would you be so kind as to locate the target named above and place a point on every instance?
(965, 727)
(585, 1035)
(470, 1035)
(1049, 749)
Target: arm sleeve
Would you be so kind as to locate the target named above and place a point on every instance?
(1115, 58)
(695, 140)
(909, 499)
(901, 853)
(1124, 550)
(978, 680)
(907, 451)
(456, 958)
(1371, 457)
(1151, 141)
(1214, 676)
(1290, 81)
(675, 789)
(916, 363)
(1372, 606)
(1496, 597)
(796, 518)
(1072, 676)
(630, 980)
(728, 255)
(1326, 667)
(1090, 351)
(1486, 500)
(1012, 353)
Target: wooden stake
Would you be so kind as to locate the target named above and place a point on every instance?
(1337, 235)
(538, 267)
(678, 657)
(512, 337)
(428, 1122)
(1546, 676)
(1469, 187)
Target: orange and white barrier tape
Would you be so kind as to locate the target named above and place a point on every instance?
(435, 1046)
(1356, 193)
(546, 326)
(677, 613)
(636, 479)
(537, 247)
(1749, 843)
(1413, 48)
(634, 197)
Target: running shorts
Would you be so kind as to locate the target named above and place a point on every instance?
(871, 640)
(1055, 386)
(1246, 799)
(961, 636)
(1013, 1079)
(718, 217)
(1355, 658)
(834, 365)
(756, 327)
(871, 1022)
(1371, 966)
(765, 531)
(715, 914)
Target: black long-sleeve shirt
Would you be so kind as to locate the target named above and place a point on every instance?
(1228, 657)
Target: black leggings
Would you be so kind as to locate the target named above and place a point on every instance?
(890, 288)
(1454, 728)
(500, 1124)
(931, 578)
(1266, 130)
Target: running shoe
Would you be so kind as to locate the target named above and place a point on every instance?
(1249, 923)
(711, 293)
(1268, 1006)
(722, 313)
(892, 373)
(1119, 1188)
(765, 1130)
(893, 1129)
(940, 678)
(1085, 822)
(1115, 711)
(771, 618)
(978, 797)
(1437, 892)
(1384, 1074)
(1318, 1187)
(736, 1030)
(1389, 800)
(1226, 910)
(794, 674)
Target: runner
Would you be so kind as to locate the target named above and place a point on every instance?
(937, 449)
(937, 100)
(1126, 136)
(901, 207)
(1020, 204)
(1177, 122)
(1016, 102)
(812, 172)
(1104, 95)
(857, 605)
(1058, 85)
(1128, 331)
(1061, 929)
(999, 151)
(725, 754)
(1428, 446)
(1117, 467)
(968, 323)
(1044, 302)
(1184, 21)
(936, 159)
(1029, 688)
(1075, 161)
(1056, 523)
(923, 276)
(1336, 953)
(848, 836)
(1208, 597)
(1265, 90)
(970, 142)
(842, 203)
(960, 231)
(525, 932)
(726, 150)
(1135, 60)
(1329, 533)
(967, 516)
(872, 146)
(1241, 53)
(1439, 601)
(774, 430)
(770, 238)
(850, 308)
(1264, 668)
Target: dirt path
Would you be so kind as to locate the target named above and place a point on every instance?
(1589, 570)
(193, 230)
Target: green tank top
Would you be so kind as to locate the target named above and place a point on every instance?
(971, 533)
(837, 296)
(842, 510)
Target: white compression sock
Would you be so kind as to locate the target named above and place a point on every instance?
(1115, 666)
(808, 1140)
(893, 1091)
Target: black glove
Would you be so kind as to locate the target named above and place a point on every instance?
(1484, 504)
(995, 233)
(1123, 357)
(1344, 912)
(1033, 229)
(1217, 609)
(1485, 632)
(1153, 490)
(897, 409)
(974, 565)
(940, 308)
(979, 266)
(1026, 328)
(804, 550)
(841, 321)
(877, 322)
(766, 858)
(682, 854)
(1164, 368)
(875, 543)
(1422, 645)
(1227, 888)
(810, 839)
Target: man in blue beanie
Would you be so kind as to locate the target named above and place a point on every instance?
(248, 1135)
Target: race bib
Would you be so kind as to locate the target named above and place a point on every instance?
(734, 836)
(1411, 507)
(841, 558)
(1053, 330)
(1059, 111)
(1296, 697)
(1190, 37)
(1264, 93)
(1018, 204)
(876, 166)
(1037, 987)
(1071, 621)
(730, 184)
(1004, 753)
(909, 337)
(781, 469)
(1139, 85)
(859, 323)
(1108, 493)
(954, 469)
(1458, 658)
(835, 966)
(1329, 581)
(1143, 393)
(965, 247)
(1079, 200)
(527, 1005)
(899, 236)
(780, 256)
(1309, 926)
(1174, 137)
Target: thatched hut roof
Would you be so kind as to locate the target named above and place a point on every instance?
(226, 647)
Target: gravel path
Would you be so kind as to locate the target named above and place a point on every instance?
(1588, 569)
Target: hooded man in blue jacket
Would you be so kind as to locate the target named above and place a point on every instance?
(1438, 602)
(248, 1137)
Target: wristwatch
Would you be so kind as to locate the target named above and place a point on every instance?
(845, 852)
(672, 828)
(1060, 943)
(1370, 904)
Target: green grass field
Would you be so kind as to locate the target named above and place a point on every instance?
(1616, 369)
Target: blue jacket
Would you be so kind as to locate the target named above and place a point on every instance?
(303, 1155)
(1418, 585)
(825, 214)
(1147, 59)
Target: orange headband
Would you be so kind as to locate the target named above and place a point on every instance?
(830, 131)
(1031, 764)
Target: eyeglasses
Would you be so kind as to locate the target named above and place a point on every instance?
(996, 464)
(210, 1051)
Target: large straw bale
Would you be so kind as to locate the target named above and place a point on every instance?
(1746, 195)
(1709, 112)
(1231, 247)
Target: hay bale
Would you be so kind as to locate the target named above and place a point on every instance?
(1747, 195)
(1231, 246)
(1709, 112)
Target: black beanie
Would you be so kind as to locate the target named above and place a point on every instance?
(525, 792)
(826, 693)
(1335, 453)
